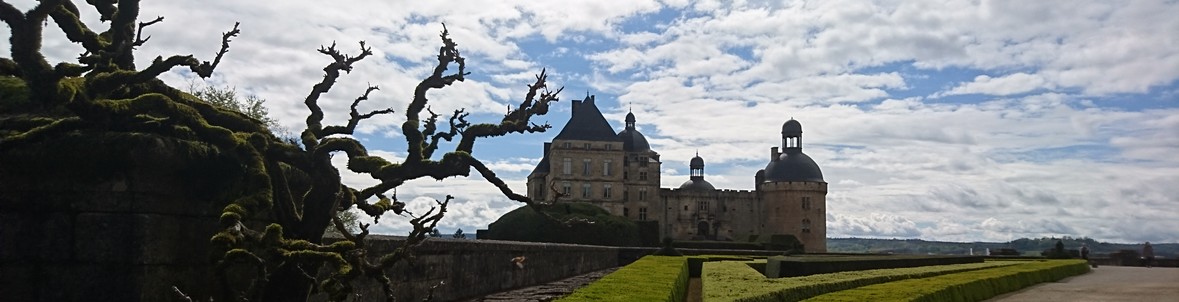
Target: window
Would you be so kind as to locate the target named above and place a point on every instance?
(643, 175)
(643, 214)
(606, 167)
(806, 225)
(609, 146)
(588, 145)
(567, 166)
(806, 202)
(685, 207)
(586, 190)
(642, 194)
(566, 188)
(606, 191)
(704, 205)
(567, 145)
(625, 174)
(585, 167)
(625, 212)
(642, 161)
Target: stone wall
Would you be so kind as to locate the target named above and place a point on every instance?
(99, 226)
(466, 269)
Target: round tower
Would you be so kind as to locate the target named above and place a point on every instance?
(794, 193)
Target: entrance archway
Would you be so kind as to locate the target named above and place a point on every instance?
(702, 229)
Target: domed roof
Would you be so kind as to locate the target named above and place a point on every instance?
(793, 166)
(633, 141)
(696, 162)
(697, 184)
(791, 127)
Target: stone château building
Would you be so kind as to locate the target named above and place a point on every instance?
(588, 162)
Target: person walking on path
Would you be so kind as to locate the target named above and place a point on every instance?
(1148, 254)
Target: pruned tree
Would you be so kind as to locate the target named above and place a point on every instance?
(295, 184)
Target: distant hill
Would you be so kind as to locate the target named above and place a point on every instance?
(1023, 245)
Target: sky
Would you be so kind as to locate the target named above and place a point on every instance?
(939, 120)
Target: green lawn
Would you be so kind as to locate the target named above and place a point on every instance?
(975, 285)
(652, 278)
(736, 281)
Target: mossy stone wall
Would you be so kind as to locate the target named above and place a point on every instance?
(94, 217)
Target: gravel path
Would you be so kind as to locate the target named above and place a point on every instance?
(548, 291)
(1106, 283)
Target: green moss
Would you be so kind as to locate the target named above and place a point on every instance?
(14, 94)
(366, 164)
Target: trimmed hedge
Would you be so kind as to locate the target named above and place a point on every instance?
(652, 278)
(783, 266)
(718, 245)
(696, 263)
(737, 281)
(966, 286)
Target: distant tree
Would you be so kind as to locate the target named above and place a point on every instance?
(574, 222)
(459, 234)
(435, 233)
(251, 105)
(293, 183)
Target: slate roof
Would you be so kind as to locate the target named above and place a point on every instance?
(697, 184)
(587, 123)
(793, 166)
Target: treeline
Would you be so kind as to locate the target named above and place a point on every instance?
(1023, 245)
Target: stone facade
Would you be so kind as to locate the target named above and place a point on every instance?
(582, 163)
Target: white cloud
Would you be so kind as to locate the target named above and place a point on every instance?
(1071, 133)
(1015, 83)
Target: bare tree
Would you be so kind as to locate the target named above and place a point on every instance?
(295, 183)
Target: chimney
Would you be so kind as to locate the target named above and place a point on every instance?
(774, 154)
(547, 146)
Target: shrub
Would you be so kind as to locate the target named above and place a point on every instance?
(809, 265)
(593, 225)
(718, 245)
(781, 242)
